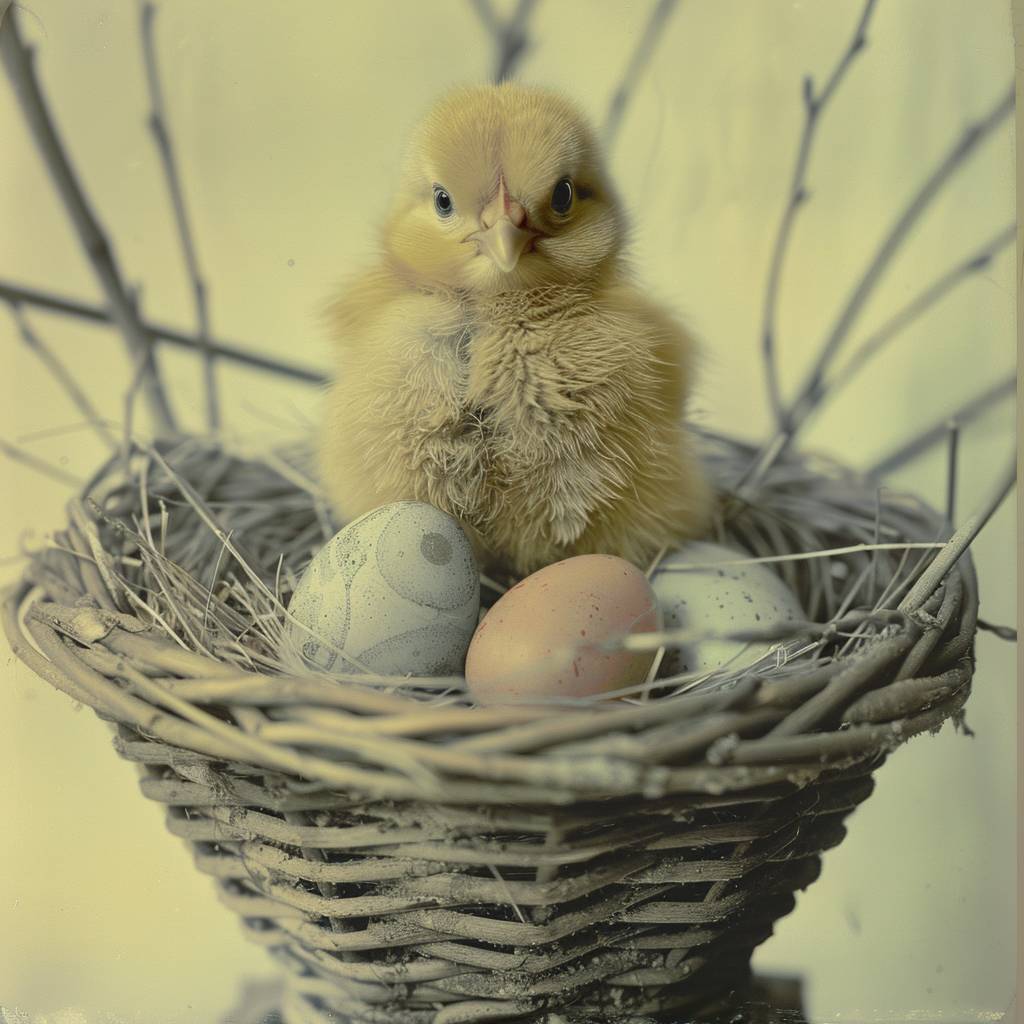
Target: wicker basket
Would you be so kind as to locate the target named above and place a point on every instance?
(412, 859)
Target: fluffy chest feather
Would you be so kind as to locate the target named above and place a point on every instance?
(522, 362)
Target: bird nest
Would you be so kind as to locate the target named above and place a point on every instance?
(411, 858)
(414, 859)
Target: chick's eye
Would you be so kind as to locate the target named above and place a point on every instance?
(562, 196)
(443, 202)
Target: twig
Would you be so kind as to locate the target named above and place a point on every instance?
(898, 233)
(509, 34)
(1003, 632)
(641, 57)
(951, 471)
(914, 309)
(877, 540)
(792, 629)
(161, 134)
(228, 351)
(890, 245)
(18, 60)
(813, 106)
(494, 585)
(959, 542)
(128, 432)
(28, 459)
(921, 442)
(795, 556)
(62, 376)
(57, 430)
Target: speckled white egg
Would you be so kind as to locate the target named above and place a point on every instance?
(718, 598)
(397, 589)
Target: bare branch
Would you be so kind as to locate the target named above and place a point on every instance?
(813, 107)
(62, 376)
(17, 58)
(873, 273)
(161, 134)
(41, 465)
(939, 430)
(1007, 633)
(128, 418)
(640, 59)
(952, 466)
(510, 37)
(899, 231)
(485, 12)
(228, 351)
(806, 404)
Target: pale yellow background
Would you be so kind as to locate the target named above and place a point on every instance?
(289, 119)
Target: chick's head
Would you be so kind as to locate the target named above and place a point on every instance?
(504, 189)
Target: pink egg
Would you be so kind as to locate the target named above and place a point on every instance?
(543, 637)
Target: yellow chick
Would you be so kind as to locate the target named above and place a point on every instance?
(499, 363)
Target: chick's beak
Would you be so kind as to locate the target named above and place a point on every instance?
(504, 234)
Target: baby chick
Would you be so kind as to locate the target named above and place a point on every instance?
(499, 363)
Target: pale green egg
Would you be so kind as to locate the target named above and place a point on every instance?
(396, 592)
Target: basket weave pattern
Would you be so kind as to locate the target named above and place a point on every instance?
(412, 859)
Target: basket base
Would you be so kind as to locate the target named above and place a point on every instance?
(769, 999)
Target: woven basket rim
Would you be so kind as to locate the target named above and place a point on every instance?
(759, 731)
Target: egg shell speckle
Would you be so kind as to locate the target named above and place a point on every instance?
(720, 599)
(540, 639)
(397, 589)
